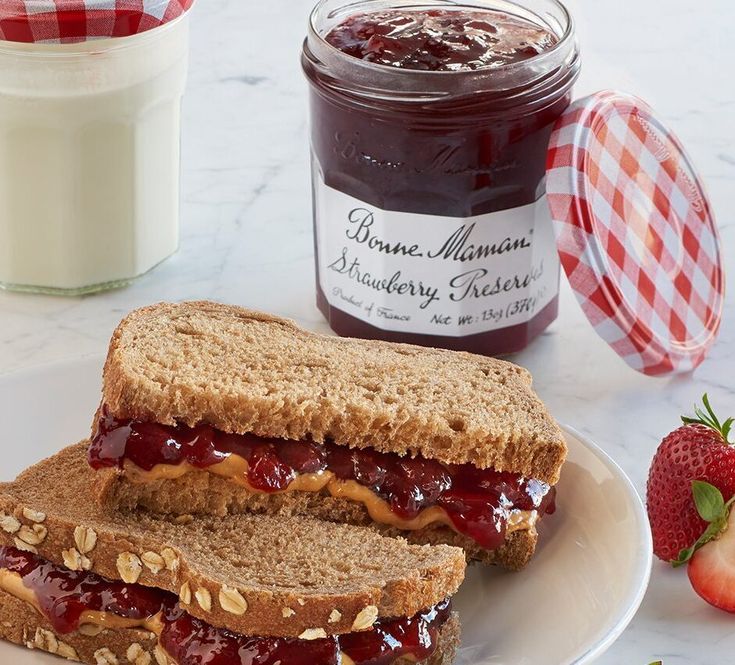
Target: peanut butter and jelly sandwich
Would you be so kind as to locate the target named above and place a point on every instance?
(214, 409)
(105, 587)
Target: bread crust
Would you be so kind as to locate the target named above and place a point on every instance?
(21, 624)
(200, 492)
(274, 562)
(245, 371)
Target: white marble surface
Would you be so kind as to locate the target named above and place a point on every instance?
(247, 238)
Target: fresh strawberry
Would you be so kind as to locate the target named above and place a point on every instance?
(712, 564)
(697, 451)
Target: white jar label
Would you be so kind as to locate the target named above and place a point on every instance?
(433, 275)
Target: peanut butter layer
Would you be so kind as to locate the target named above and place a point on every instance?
(235, 469)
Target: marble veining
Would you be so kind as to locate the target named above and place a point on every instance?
(247, 239)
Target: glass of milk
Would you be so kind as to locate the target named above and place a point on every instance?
(90, 159)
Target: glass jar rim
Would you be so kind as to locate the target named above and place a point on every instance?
(540, 78)
(566, 38)
(92, 46)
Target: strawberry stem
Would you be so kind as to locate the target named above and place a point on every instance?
(709, 418)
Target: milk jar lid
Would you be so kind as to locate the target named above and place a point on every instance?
(68, 21)
(635, 232)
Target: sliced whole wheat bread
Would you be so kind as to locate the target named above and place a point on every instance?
(23, 625)
(200, 492)
(276, 563)
(243, 371)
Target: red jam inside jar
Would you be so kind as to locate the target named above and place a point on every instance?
(479, 502)
(439, 39)
(63, 597)
(429, 130)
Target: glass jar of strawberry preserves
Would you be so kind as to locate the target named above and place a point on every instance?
(430, 123)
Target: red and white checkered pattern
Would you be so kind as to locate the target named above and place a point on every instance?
(63, 21)
(636, 234)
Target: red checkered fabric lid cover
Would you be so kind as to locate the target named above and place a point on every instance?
(62, 21)
(636, 234)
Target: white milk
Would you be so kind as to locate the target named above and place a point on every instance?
(89, 159)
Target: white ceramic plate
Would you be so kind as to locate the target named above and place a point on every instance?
(579, 593)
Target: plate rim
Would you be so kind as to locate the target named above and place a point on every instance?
(645, 567)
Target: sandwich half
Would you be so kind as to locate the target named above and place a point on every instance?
(106, 588)
(213, 409)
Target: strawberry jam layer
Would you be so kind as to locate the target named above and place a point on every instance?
(479, 502)
(439, 39)
(63, 596)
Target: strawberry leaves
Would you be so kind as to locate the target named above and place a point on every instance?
(709, 418)
(713, 509)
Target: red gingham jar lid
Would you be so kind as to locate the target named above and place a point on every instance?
(636, 234)
(63, 21)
